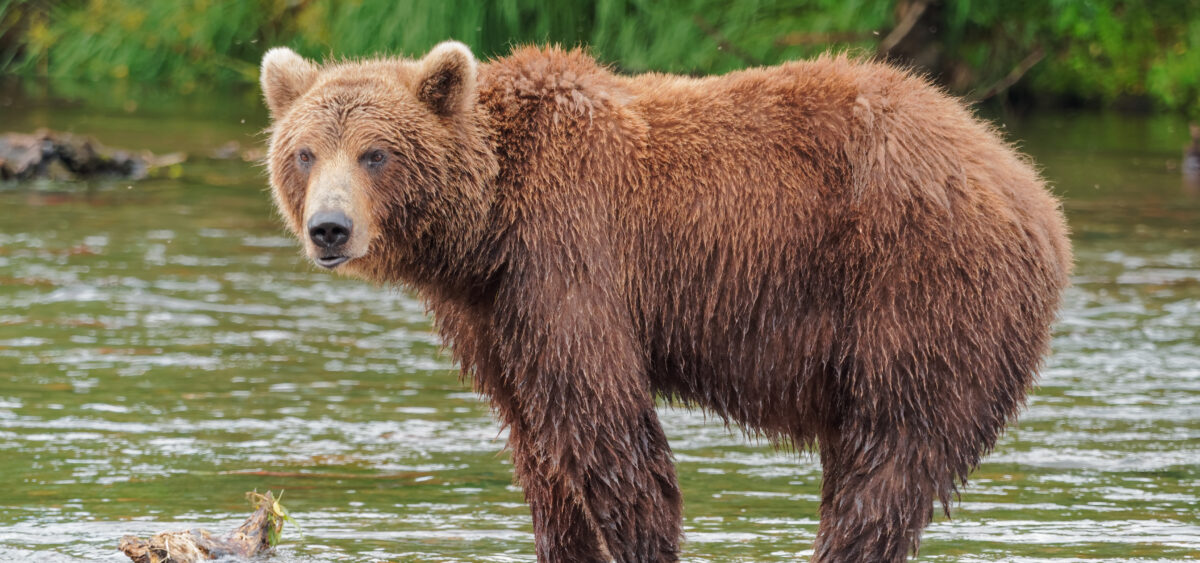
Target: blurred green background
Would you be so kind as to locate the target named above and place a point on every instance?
(1136, 54)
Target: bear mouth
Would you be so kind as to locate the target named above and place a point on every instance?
(331, 261)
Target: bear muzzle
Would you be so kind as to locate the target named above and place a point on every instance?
(329, 231)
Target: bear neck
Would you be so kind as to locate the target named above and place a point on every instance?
(508, 119)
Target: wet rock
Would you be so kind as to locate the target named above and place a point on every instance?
(67, 156)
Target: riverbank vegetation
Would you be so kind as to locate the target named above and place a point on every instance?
(1095, 53)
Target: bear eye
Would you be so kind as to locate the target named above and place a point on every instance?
(374, 158)
(305, 157)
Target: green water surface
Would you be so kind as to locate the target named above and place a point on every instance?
(164, 348)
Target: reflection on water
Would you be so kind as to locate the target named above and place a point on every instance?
(164, 348)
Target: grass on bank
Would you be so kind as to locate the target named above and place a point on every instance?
(1079, 52)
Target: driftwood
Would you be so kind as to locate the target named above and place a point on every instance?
(67, 156)
(234, 150)
(257, 535)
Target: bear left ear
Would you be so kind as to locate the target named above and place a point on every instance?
(447, 78)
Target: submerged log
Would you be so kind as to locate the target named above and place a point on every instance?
(67, 156)
(256, 536)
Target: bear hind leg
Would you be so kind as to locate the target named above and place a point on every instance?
(877, 494)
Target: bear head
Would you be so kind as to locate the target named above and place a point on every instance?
(382, 167)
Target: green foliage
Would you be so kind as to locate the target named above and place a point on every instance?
(1104, 51)
(1095, 51)
(275, 517)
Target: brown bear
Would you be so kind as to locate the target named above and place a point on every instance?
(832, 254)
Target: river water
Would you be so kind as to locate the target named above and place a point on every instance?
(164, 348)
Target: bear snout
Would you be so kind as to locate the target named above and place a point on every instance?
(329, 231)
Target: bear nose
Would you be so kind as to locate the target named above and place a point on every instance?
(329, 229)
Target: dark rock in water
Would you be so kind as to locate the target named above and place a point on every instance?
(1191, 162)
(66, 156)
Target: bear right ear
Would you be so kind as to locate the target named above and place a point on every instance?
(446, 80)
(285, 76)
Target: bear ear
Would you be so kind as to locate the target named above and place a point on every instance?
(446, 80)
(285, 76)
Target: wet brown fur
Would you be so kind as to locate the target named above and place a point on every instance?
(831, 253)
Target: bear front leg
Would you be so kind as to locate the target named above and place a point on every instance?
(586, 442)
(620, 503)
